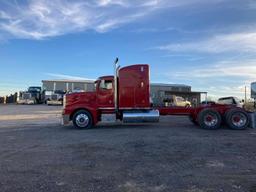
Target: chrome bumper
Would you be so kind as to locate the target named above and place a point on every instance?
(54, 102)
(26, 101)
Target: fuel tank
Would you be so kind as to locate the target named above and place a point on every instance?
(149, 116)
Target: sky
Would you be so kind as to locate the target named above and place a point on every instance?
(209, 45)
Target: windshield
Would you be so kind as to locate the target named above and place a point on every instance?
(180, 99)
(237, 100)
(226, 101)
(34, 89)
(59, 92)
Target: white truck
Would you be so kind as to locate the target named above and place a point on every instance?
(32, 96)
(54, 97)
(178, 101)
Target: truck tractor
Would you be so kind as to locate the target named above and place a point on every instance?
(54, 97)
(125, 96)
(32, 96)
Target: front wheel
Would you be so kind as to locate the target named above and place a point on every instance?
(82, 119)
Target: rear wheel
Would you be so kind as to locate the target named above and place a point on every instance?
(237, 119)
(209, 119)
(82, 119)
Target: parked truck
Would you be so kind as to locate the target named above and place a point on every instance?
(54, 97)
(126, 97)
(32, 96)
(176, 101)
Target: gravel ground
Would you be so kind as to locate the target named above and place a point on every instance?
(173, 155)
(12, 116)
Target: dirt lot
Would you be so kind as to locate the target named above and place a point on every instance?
(37, 154)
(27, 115)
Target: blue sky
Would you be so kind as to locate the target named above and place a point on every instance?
(210, 45)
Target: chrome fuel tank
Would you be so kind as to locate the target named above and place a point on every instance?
(149, 116)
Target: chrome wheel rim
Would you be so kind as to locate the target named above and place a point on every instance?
(82, 120)
(210, 119)
(239, 119)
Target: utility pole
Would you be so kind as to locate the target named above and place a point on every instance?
(245, 94)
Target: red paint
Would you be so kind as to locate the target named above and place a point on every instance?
(134, 87)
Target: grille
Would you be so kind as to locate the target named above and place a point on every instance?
(55, 97)
(26, 96)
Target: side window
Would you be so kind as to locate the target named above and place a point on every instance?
(106, 85)
(226, 101)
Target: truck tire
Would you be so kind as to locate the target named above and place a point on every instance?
(82, 119)
(237, 119)
(209, 119)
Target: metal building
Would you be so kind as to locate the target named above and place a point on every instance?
(253, 90)
(161, 91)
(68, 85)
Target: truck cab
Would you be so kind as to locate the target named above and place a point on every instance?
(54, 97)
(124, 96)
(32, 96)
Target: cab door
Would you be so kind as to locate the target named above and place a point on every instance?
(105, 94)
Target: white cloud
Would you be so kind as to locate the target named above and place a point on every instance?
(237, 42)
(215, 92)
(112, 2)
(70, 77)
(243, 69)
(252, 4)
(225, 78)
(4, 15)
(39, 19)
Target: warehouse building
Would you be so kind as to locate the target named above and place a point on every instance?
(68, 85)
(161, 91)
(253, 90)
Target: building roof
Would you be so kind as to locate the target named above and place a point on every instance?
(70, 80)
(188, 92)
(169, 85)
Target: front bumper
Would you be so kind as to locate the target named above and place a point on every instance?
(65, 119)
(26, 101)
(54, 102)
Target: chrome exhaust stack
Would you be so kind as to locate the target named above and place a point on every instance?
(116, 69)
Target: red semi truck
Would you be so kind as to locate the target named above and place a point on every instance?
(126, 97)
